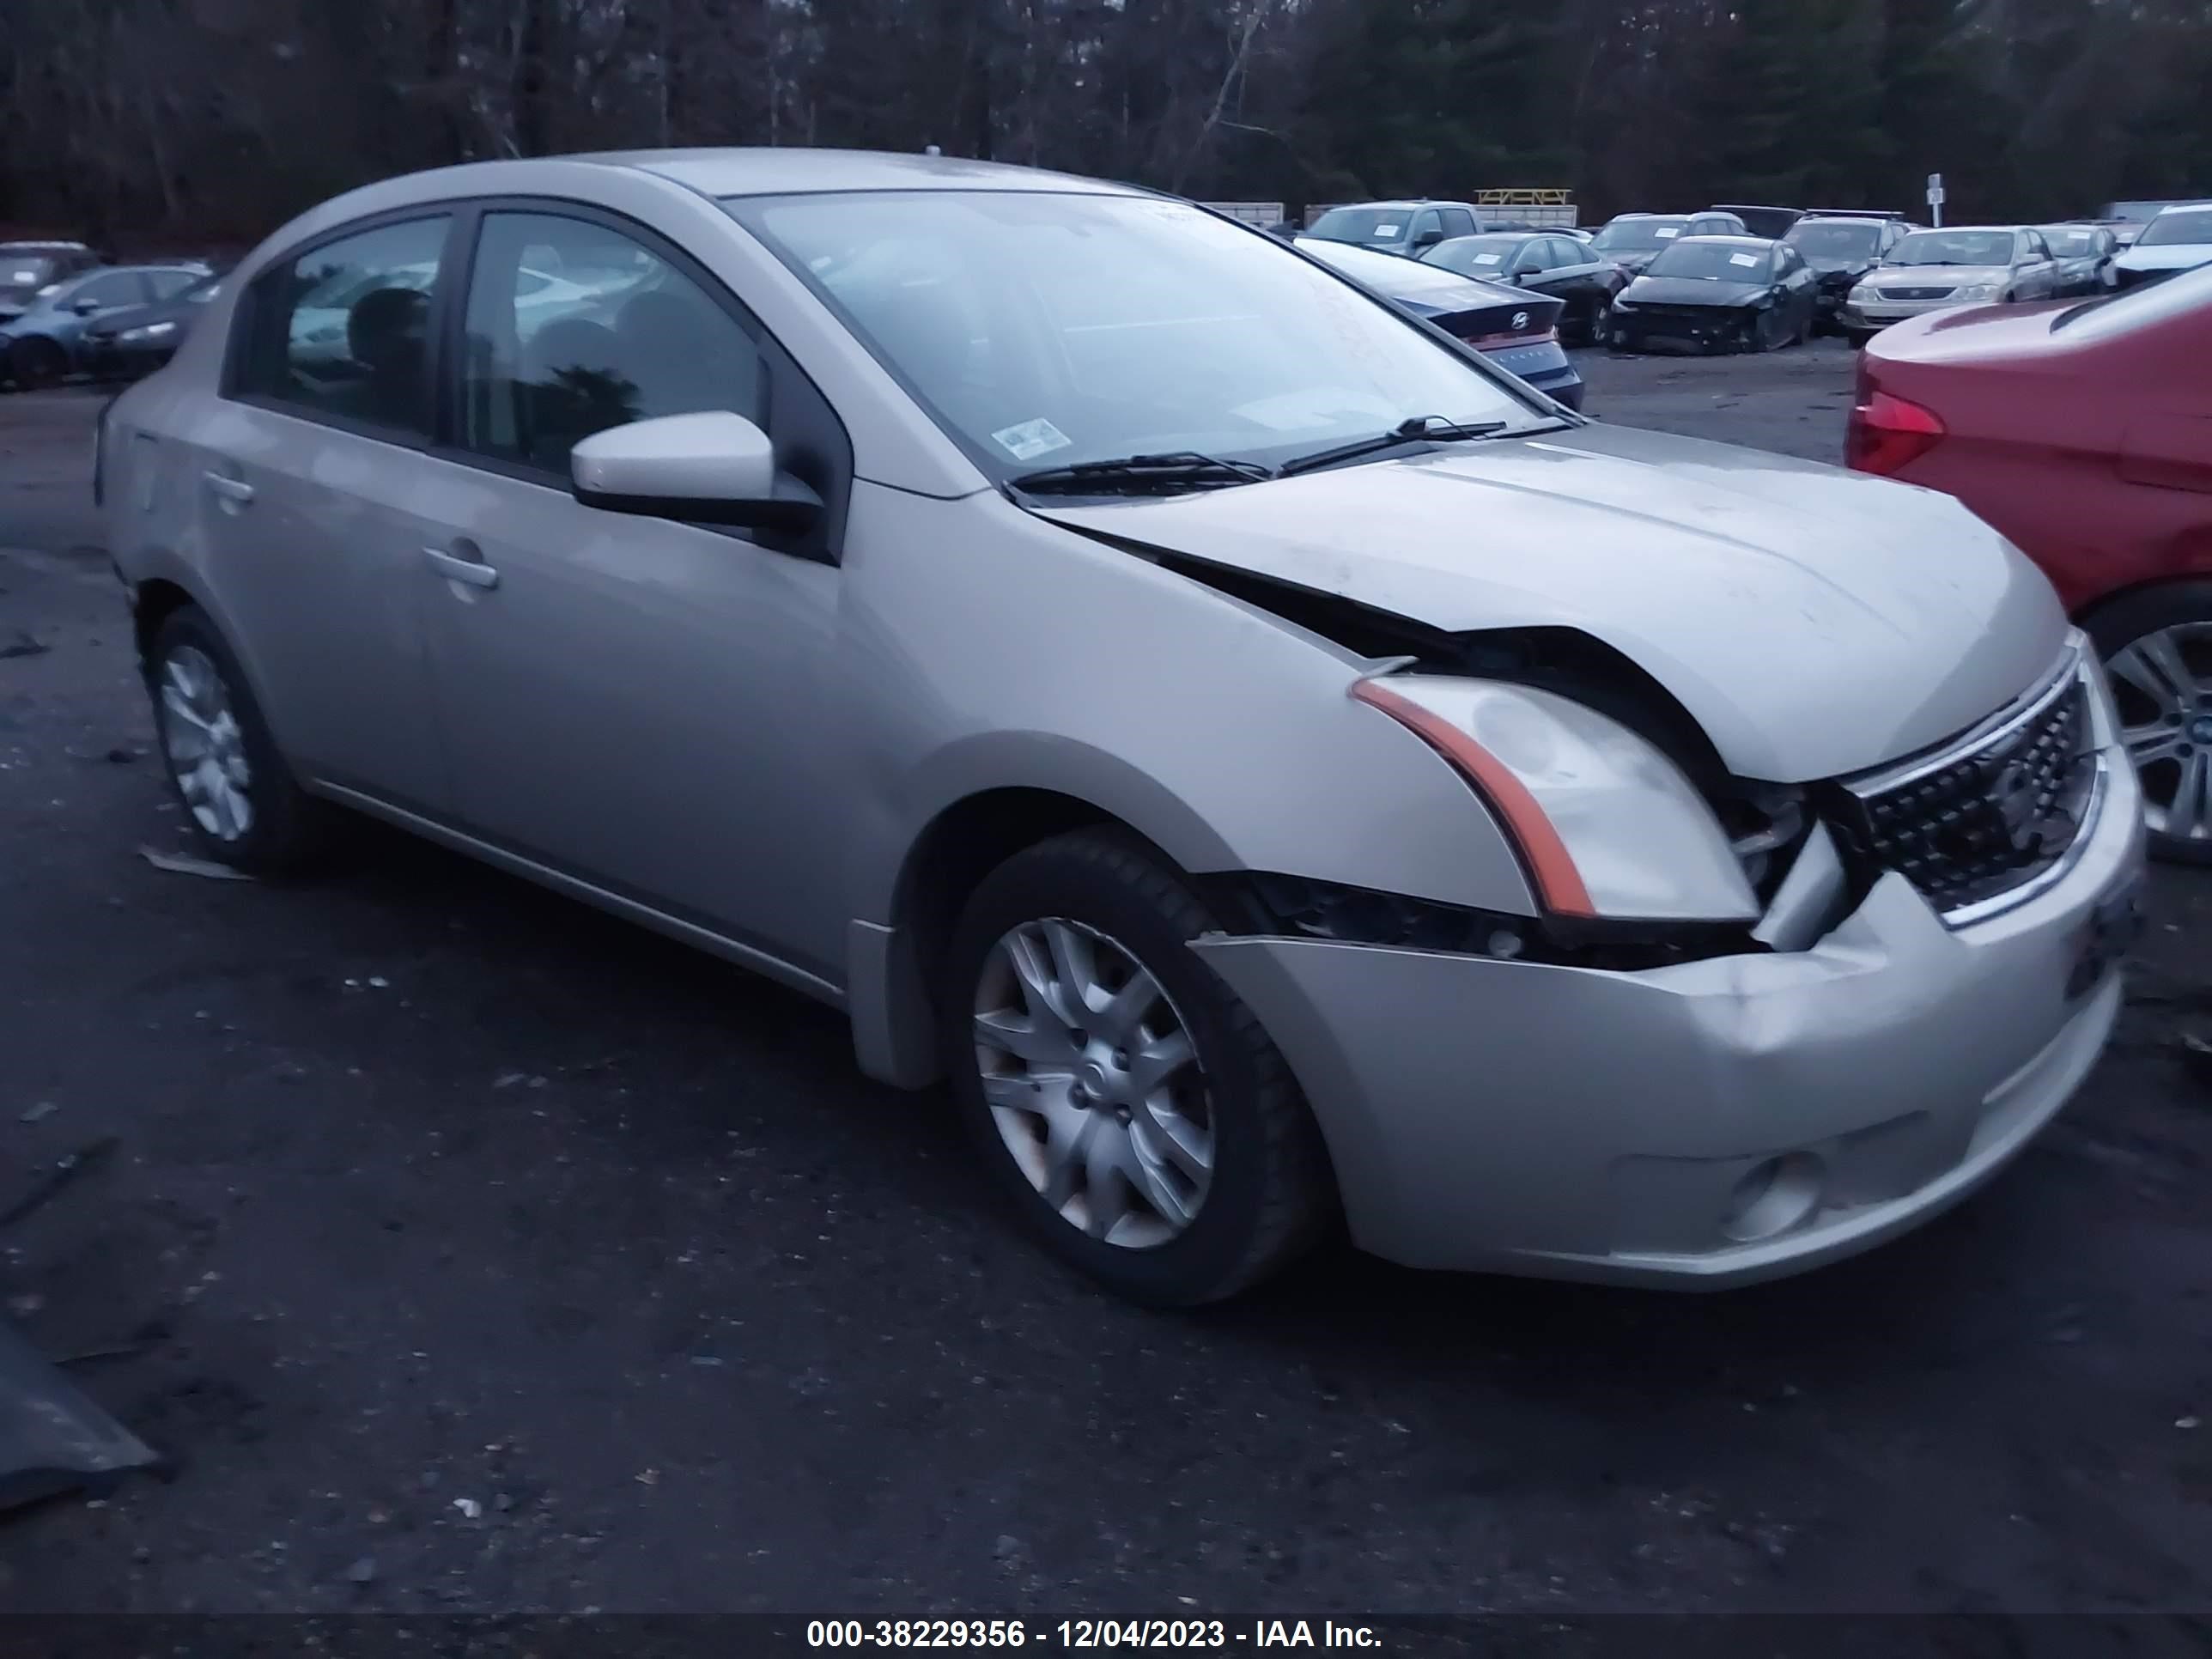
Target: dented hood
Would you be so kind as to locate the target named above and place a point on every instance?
(1815, 621)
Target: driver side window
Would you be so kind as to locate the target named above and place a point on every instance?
(573, 327)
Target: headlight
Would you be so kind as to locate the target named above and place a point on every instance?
(1861, 293)
(1605, 825)
(1978, 291)
(151, 331)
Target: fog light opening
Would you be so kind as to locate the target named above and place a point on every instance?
(1774, 1195)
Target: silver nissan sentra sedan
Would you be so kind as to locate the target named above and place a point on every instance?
(1278, 767)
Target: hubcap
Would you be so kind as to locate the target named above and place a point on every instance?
(205, 748)
(1094, 1082)
(2163, 685)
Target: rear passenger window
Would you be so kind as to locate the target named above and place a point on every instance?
(168, 284)
(1458, 221)
(573, 327)
(1564, 252)
(344, 331)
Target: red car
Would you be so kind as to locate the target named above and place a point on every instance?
(2082, 433)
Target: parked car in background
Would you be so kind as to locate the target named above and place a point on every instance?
(26, 267)
(2083, 434)
(2085, 254)
(121, 345)
(1633, 240)
(2129, 220)
(1933, 270)
(1407, 228)
(1771, 224)
(1572, 272)
(2178, 239)
(1272, 771)
(1517, 330)
(1718, 293)
(1842, 249)
(40, 345)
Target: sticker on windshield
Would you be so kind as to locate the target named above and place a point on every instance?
(1384, 232)
(1750, 259)
(1030, 439)
(1488, 258)
(27, 275)
(1667, 232)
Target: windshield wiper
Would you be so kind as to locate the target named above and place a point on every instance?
(1183, 470)
(1433, 428)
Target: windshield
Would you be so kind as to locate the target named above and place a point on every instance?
(2070, 241)
(1954, 247)
(1639, 235)
(1711, 262)
(202, 291)
(2176, 229)
(1381, 226)
(18, 270)
(1044, 330)
(1833, 241)
(2134, 212)
(1474, 256)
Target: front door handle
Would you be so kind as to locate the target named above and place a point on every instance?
(474, 572)
(230, 489)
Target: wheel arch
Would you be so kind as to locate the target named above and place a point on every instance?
(996, 795)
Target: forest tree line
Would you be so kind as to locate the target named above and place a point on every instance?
(217, 119)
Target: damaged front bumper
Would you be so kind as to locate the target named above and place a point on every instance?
(1716, 331)
(1709, 1123)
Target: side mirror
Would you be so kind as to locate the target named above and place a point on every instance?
(86, 307)
(714, 467)
(1427, 239)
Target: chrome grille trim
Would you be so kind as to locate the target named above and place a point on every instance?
(1998, 727)
(1940, 843)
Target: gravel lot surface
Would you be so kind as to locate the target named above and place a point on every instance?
(473, 1252)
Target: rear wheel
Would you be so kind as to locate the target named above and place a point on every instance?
(2157, 646)
(240, 798)
(36, 361)
(1130, 1105)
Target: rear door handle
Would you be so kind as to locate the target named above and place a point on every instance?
(230, 489)
(474, 572)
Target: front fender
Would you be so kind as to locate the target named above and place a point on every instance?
(990, 650)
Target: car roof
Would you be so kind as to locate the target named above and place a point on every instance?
(1974, 230)
(763, 171)
(1850, 219)
(1726, 241)
(2179, 207)
(1408, 203)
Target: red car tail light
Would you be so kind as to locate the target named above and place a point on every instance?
(1887, 434)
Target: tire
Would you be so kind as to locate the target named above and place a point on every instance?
(1268, 1193)
(2129, 621)
(284, 829)
(36, 362)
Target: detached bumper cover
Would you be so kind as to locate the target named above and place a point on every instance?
(1513, 1116)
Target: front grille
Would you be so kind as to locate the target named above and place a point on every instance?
(1985, 814)
(1917, 292)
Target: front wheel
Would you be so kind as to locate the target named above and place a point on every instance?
(1131, 1106)
(36, 362)
(2157, 646)
(239, 796)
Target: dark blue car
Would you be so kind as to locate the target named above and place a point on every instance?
(41, 346)
(1515, 329)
